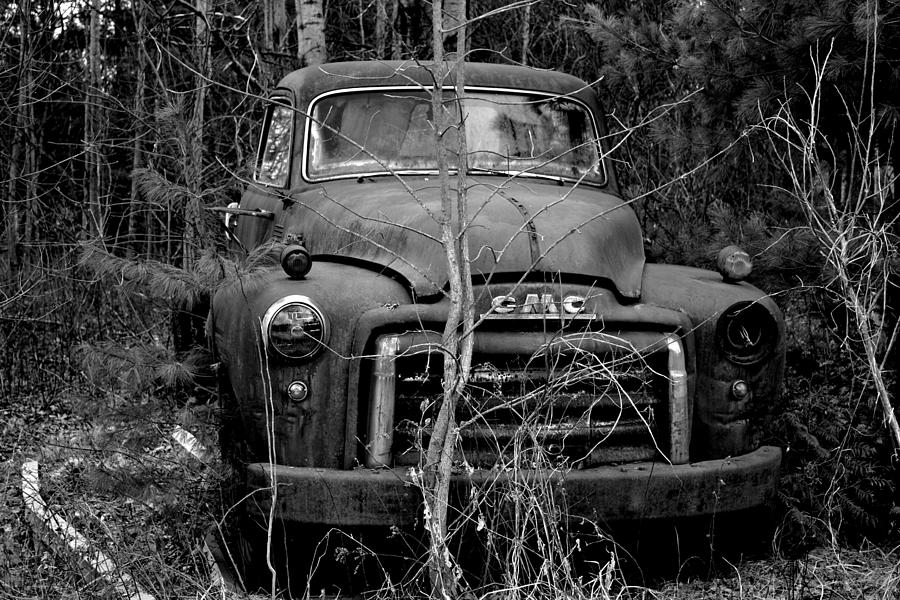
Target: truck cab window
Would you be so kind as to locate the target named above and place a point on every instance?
(273, 164)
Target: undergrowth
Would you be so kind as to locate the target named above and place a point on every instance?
(100, 431)
(90, 387)
(839, 481)
(109, 465)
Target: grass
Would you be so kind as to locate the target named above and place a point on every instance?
(146, 503)
(867, 574)
(110, 467)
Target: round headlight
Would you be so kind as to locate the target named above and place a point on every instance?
(295, 328)
(747, 332)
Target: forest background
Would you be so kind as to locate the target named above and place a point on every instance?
(124, 120)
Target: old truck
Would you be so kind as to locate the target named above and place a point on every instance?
(645, 377)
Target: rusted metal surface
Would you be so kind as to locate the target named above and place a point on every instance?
(643, 490)
(308, 433)
(551, 228)
(558, 270)
(492, 417)
(312, 81)
(721, 424)
(379, 222)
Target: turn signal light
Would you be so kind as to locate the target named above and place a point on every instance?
(295, 261)
(734, 264)
(297, 391)
(740, 390)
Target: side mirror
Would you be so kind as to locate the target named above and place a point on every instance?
(233, 211)
(231, 219)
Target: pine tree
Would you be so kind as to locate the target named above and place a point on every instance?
(744, 58)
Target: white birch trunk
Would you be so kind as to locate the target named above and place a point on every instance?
(310, 32)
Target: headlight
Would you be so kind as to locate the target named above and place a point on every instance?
(747, 332)
(295, 328)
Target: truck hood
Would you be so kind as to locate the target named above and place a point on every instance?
(517, 226)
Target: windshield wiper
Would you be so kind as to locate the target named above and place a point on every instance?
(482, 170)
(493, 171)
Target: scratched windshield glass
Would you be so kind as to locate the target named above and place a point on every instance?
(375, 132)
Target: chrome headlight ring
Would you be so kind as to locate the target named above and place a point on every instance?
(295, 328)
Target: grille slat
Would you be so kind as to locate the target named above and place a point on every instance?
(600, 400)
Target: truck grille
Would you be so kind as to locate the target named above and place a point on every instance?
(585, 399)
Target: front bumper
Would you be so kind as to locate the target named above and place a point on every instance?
(633, 491)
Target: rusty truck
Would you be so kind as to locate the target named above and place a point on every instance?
(646, 377)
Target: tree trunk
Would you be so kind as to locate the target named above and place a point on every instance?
(193, 227)
(95, 215)
(526, 34)
(280, 24)
(268, 25)
(137, 146)
(395, 37)
(407, 28)
(310, 32)
(19, 139)
(274, 25)
(454, 17)
(892, 295)
(12, 201)
(31, 164)
(457, 339)
(380, 29)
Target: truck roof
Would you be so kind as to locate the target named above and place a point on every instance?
(309, 82)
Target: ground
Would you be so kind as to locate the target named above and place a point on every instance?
(139, 497)
(133, 492)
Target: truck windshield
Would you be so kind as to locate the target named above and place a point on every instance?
(514, 133)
